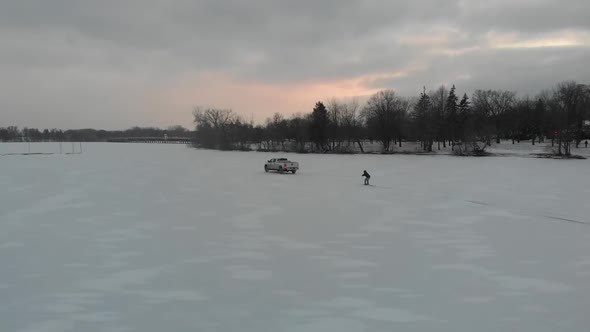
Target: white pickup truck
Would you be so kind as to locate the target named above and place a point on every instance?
(281, 165)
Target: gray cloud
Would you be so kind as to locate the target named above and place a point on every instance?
(88, 63)
(527, 71)
(527, 16)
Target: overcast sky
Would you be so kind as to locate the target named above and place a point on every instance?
(114, 64)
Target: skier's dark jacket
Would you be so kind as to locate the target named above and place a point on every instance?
(366, 174)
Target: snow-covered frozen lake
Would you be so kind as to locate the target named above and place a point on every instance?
(141, 237)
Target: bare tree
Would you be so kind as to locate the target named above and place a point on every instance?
(298, 131)
(178, 131)
(495, 104)
(212, 126)
(335, 110)
(385, 113)
(352, 123)
(571, 101)
(438, 103)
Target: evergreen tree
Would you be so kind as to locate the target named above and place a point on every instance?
(464, 114)
(319, 125)
(422, 118)
(452, 116)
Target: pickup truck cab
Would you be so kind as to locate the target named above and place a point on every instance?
(281, 165)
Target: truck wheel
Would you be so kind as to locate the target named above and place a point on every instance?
(281, 170)
(293, 171)
(266, 168)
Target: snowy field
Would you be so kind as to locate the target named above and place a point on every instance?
(146, 237)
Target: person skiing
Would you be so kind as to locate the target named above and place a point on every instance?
(367, 177)
(586, 143)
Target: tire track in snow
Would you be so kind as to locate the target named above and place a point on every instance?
(543, 215)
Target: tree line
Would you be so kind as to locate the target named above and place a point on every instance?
(442, 117)
(15, 134)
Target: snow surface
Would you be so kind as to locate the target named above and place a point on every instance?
(146, 237)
